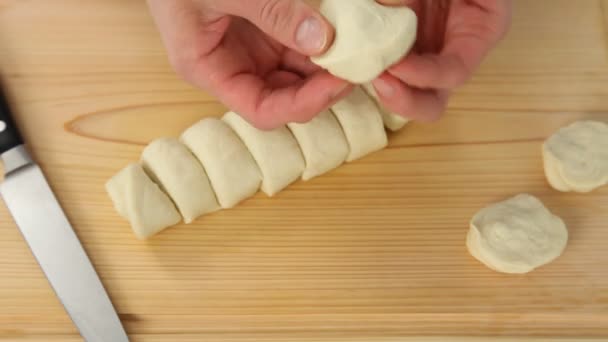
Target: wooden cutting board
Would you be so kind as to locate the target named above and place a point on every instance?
(372, 251)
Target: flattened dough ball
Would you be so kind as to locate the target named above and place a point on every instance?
(392, 121)
(517, 235)
(276, 152)
(576, 157)
(362, 124)
(232, 172)
(322, 142)
(141, 202)
(369, 38)
(171, 165)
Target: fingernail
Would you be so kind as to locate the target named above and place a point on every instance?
(311, 35)
(383, 88)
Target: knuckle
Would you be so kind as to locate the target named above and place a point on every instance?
(277, 14)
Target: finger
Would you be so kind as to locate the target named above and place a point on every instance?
(291, 22)
(412, 103)
(466, 45)
(268, 108)
(430, 71)
(181, 29)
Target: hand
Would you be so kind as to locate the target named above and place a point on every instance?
(252, 55)
(454, 37)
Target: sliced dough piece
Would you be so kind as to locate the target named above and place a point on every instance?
(276, 152)
(576, 157)
(392, 121)
(232, 172)
(171, 165)
(322, 142)
(362, 124)
(552, 173)
(140, 201)
(369, 38)
(517, 235)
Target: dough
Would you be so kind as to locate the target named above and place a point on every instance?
(369, 38)
(576, 157)
(232, 172)
(322, 142)
(517, 235)
(140, 201)
(392, 121)
(362, 124)
(551, 166)
(171, 165)
(276, 152)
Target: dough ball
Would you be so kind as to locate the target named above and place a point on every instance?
(576, 157)
(140, 201)
(392, 121)
(232, 172)
(322, 142)
(369, 38)
(276, 152)
(362, 124)
(180, 175)
(517, 235)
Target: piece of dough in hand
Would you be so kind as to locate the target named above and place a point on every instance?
(322, 142)
(392, 121)
(576, 157)
(276, 152)
(232, 172)
(369, 38)
(517, 235)
(171, 165)
(362, 124)
(140, 201)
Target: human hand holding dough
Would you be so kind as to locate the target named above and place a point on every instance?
(252, 55)
(454, 37)
(369, 38)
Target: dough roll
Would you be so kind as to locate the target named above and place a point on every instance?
(276, 152)
(362, 124)
(181, 176)
(141, 202)
(232, 171)
(322, 142)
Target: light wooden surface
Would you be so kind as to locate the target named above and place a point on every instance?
(372, 251)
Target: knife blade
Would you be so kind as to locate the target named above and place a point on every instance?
(52, 240)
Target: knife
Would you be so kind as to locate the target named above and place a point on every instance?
(52, 240)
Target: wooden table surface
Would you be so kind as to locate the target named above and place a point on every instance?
(372, 251)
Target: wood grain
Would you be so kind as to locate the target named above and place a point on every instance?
(372, 251)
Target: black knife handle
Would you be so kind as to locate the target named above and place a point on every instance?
(9, 134)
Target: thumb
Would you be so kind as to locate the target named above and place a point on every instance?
(291, 22)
